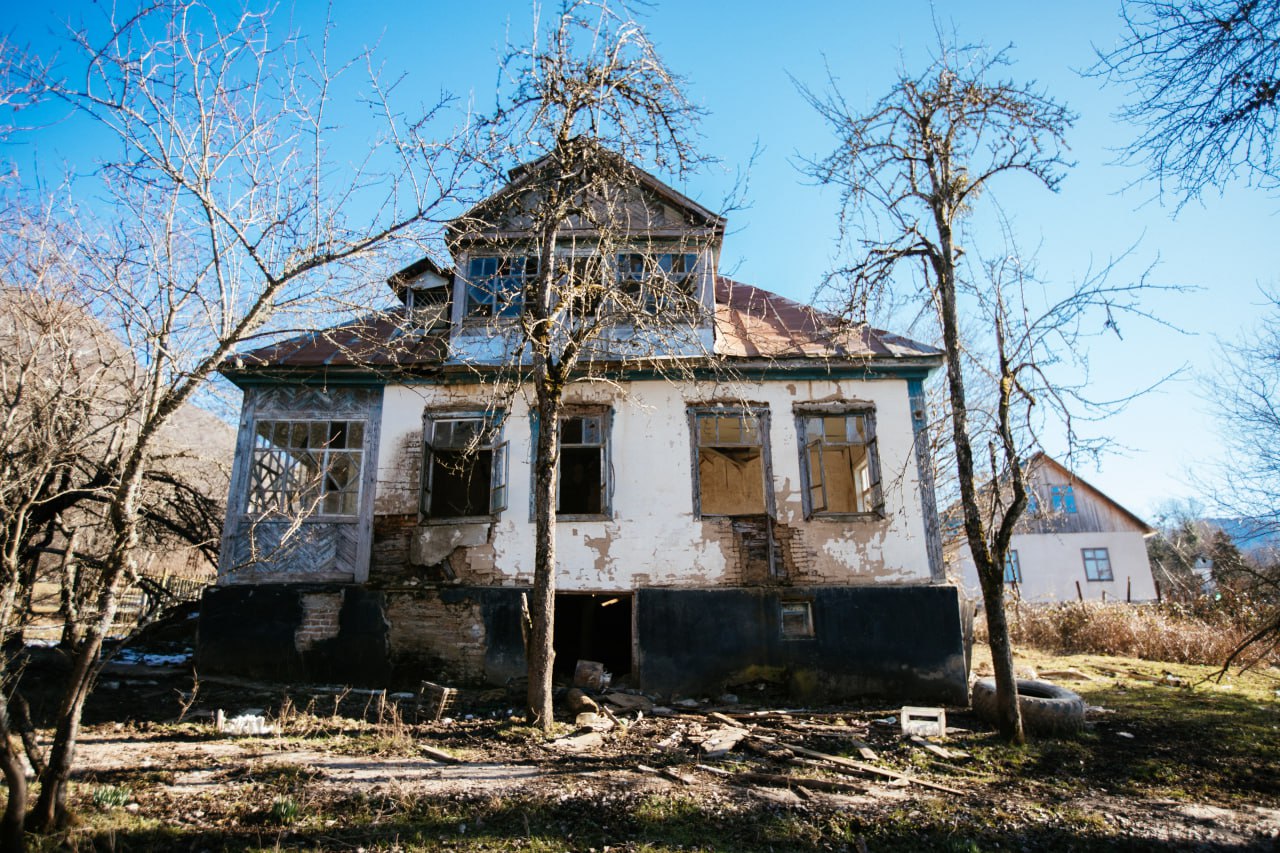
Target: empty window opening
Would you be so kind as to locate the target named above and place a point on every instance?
(1012, 568)
(731, 472)
(306, 467)
(1062, 498)
(1097, 564)
(795, 620)
(842, 474)
(593, 626)
(583, 482)
(464, 467)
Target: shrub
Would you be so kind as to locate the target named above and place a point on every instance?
(1203, 631)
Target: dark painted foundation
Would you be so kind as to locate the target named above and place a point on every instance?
(894, 642)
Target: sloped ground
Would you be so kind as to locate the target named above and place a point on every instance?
(1170, 762)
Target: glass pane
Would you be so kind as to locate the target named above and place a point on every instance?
(571, 431)
(591, 432)
(355, 435)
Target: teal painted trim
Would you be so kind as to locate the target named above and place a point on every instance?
(917, 371)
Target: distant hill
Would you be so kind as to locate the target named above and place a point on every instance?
(1250, 533)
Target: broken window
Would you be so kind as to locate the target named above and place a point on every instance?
(653, 282)
(464, 466)
(584, 465)
(839, 469)
(731, 463)
(795, 620)
(1062, 498)
(1012, 568)
(495, 285)
(1097, 564)
(306, 467)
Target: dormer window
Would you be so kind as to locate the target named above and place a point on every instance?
(658, 280)
(495, 285)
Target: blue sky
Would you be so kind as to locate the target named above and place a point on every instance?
(738, 59)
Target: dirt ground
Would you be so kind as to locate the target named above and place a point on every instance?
(358, 770)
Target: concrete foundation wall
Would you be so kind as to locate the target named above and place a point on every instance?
(899, 642)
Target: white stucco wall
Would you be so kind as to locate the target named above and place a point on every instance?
(1052, 563)
(654, 538)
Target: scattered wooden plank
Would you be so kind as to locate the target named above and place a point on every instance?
(940, 751)
(778, 780)
(668, 772)
(721, 742)
(439, 754)
(725, 719)
(868, 768)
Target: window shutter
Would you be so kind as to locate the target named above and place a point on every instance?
(817, 479)
(498, 479)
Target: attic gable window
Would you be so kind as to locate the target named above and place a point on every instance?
(1062, 498)
(839, 466)
(464, 466)
(306, 467)
(495, 285)
(656, 281)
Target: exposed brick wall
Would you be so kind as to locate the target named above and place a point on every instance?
(445, 639)
(320, 612)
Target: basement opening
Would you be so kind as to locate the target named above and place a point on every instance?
(593, 626)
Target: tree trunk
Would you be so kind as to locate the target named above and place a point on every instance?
(990, 577)
(1008, 715)
(50, 812)
(541, 648)
(12, 836)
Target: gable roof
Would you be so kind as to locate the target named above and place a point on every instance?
(525, 174)
(1042, 458)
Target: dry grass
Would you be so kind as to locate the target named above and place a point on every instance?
(1204, 633)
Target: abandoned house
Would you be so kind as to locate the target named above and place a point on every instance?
(769, 524)
(1072, 543)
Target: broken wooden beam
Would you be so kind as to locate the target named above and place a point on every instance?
(867, 768)
(777, 779)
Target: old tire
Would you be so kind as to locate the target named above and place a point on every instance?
(1047, 709)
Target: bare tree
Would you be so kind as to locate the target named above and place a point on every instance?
(1202, 78)
(913, 167)
(224, 214)
(587, 98)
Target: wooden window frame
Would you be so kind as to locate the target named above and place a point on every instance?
(605, 414)
(1012, 567)
(815, 508)
(499, 479)
(255, 508)
(1089, 556)
(808, 632)
(761, 414)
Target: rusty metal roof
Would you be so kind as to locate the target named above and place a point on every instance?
(750, 323)
(384, 339)
(755, 323)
